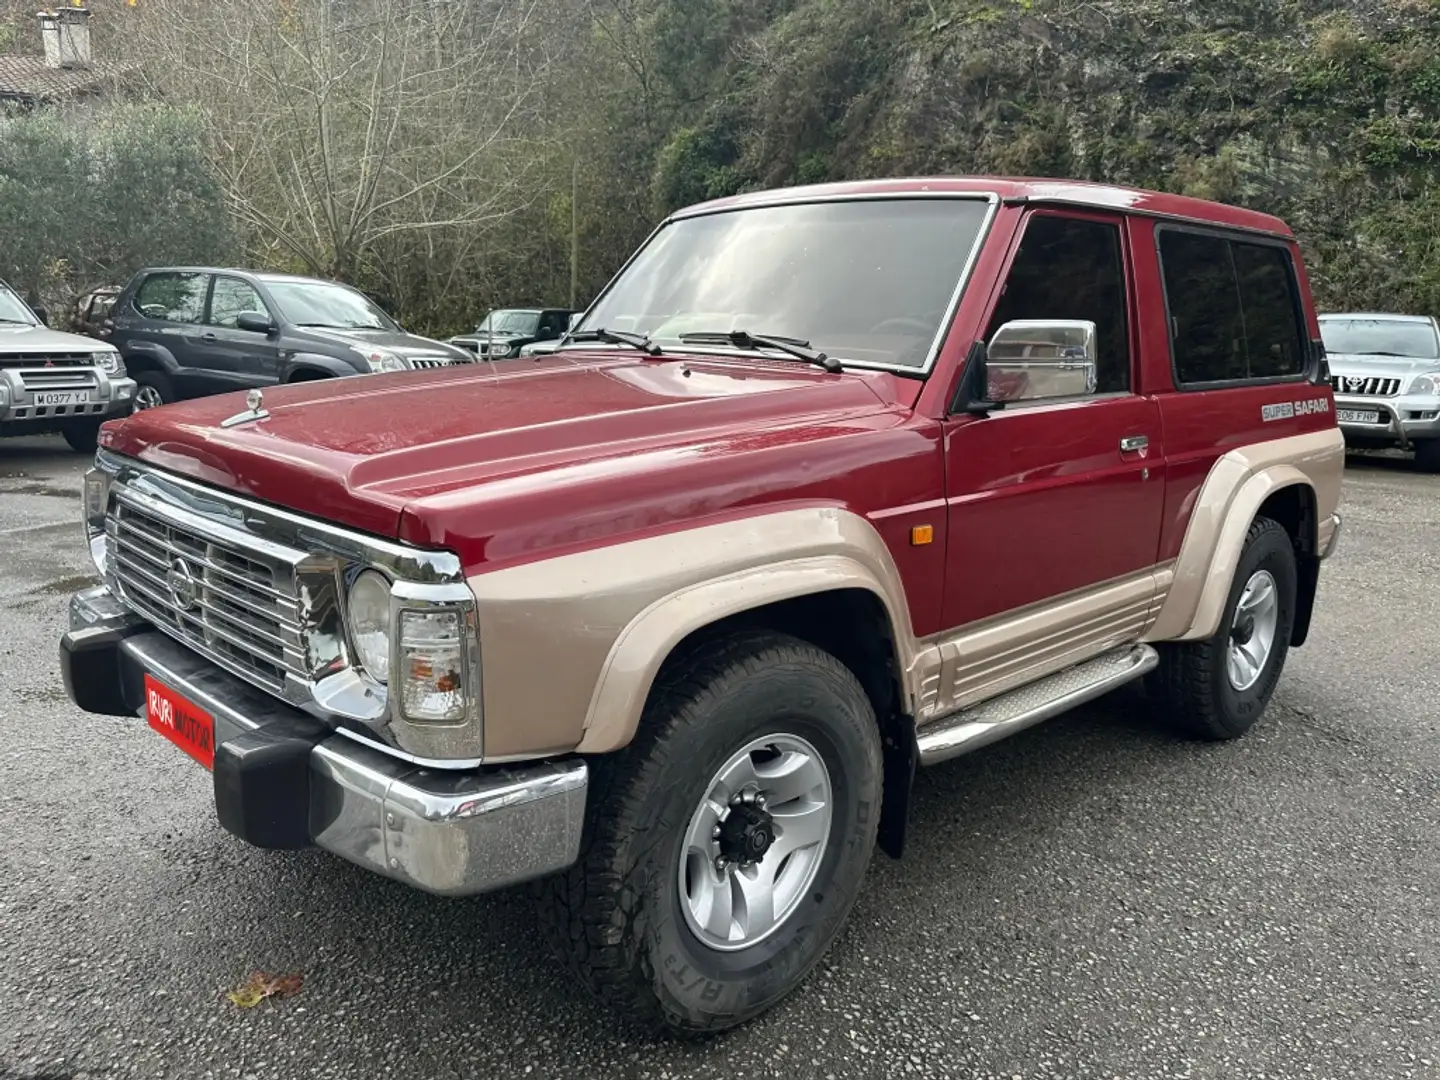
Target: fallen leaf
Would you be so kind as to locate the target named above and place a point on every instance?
(260, 986)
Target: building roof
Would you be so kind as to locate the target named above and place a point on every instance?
(1012, 189)
(30, 79)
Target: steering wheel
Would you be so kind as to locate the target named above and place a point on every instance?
(920, 328)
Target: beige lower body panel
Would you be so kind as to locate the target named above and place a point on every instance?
(959, 669)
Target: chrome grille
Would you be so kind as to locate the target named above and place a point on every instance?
(434, 361)
(1365, 385)
(211, 595)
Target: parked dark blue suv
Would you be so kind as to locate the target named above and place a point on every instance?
(188, 332)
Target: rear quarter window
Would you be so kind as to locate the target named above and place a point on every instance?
(1234, 309)
(173, 297)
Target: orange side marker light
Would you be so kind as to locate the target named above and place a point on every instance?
(921, 535)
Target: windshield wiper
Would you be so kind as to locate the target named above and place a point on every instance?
(743, 339)
(615, 337)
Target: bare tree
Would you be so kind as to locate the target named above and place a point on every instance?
(344, 127)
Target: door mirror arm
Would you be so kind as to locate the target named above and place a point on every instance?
(970, 400)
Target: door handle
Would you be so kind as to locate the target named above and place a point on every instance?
(207, 337)
(1131, 443)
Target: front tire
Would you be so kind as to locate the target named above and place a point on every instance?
(726, 845)
(1220, 687)
(152, 389)
(83, 436)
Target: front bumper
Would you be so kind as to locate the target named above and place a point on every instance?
(22, 403)
(284, 780)
(1400, 420)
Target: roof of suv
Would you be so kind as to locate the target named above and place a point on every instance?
(259, 275)
(1376, 316)
(1071, 192)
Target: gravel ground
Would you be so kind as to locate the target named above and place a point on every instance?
(1090, 899)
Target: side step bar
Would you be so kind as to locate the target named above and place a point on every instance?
(992, 720)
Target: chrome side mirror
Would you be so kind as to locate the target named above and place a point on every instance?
(1039, 360)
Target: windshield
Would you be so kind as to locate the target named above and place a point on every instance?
(13, 309)
(867, 281)
(318, 303)
(522, 323)
(1384, 337)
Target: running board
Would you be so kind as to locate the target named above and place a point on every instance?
(992, 720)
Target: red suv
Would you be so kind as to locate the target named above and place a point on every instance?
(828, 484)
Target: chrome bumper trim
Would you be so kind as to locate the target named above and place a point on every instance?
(449, 832)
(1329, 543)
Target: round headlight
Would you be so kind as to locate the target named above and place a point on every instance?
(500, 350)
(370, 624)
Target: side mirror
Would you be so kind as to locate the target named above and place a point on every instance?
(546, 334)
(1037, 360)
(42, 314)
(254, 322)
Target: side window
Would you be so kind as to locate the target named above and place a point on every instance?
(178, 298)
(1233, 309)
(1071, 268)
(1269, 301)
(230, 299)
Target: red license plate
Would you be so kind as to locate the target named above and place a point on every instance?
(189, 728)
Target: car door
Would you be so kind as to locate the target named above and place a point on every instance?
(241, 358)
(1057, 501)
(167, 320)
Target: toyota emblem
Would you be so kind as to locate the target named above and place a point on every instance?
(182, 585)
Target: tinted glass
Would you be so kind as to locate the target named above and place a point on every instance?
(1380, 337)
(1068, 268)
(231, 297)
(323, 304)
(1274, 341)
(866, 280)
(176, 298)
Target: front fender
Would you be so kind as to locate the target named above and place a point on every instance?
(137, 353)
(317, 362)
(570, 645)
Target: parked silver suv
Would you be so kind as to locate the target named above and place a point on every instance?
(51, 381)
(1385, 371)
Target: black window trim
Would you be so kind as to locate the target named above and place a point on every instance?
(1309, 373)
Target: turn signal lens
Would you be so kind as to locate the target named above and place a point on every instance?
(432, 663)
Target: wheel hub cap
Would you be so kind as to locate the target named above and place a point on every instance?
(1253, 631)
(746, 834)
(755, 842)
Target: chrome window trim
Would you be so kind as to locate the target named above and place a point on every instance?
(313, 562)
(801, 198)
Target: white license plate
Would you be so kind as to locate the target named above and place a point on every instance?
(63, 397)
(1357, 416)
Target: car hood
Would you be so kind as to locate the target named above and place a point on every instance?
(360, 451)
(14, 339)
(1377, 367)
(397, 341)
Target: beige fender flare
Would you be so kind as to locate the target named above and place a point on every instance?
(1225, 508)
(640, 650)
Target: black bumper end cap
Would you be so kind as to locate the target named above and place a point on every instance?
(90, 670)
(262, 789)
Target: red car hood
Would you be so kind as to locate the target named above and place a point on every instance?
(359, 450)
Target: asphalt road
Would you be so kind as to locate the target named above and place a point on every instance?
(1093, 898)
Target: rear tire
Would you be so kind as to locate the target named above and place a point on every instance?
(1427, 455)
(152, 389)
(82, 435)
(644, 917)
(1220, 687)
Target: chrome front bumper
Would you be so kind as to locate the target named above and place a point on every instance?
(453, 833)
(1400, 420)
